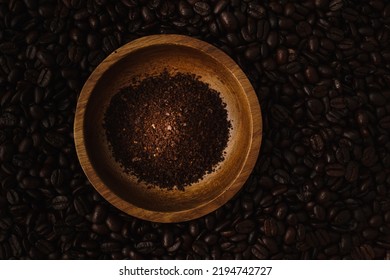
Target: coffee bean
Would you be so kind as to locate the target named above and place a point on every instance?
(311, 75)
(246, 226)
(315, 106)
(185, 9)
(114, 223)
(280, 113)
(57, 178)
(228, 21)
(60, 202)
(109, 247)
(342, 217)
(200, 248)
(220, 6)
(352, 171)
(8, 120)
(260, 252)
(335, 5)
(293, 67)
(54, 139)
(270, 227)
(202, 8)
(272, 39)
(31, 182)
(210, 222)
(45, 57)
(262, 29)
(335, 170)
(44, 77)
(290, 236)
(145, 247)
(256, 11)
(252, 52)
(319, 91)
(168, 240)
(376, 221)
(370, 234)
(303, 29)
(13, 197)
(81, 205)
(369, 157)
(319, 212)
(316, 142)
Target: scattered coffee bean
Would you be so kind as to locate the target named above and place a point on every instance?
(318, 189)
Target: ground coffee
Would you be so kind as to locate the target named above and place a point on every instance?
(168, 130)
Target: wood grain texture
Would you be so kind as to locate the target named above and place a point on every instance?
(151, 55)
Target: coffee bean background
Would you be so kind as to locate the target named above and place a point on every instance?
(320, 189)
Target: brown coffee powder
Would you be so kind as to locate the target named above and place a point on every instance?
(168, 130)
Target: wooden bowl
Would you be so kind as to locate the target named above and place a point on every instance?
(151, 55)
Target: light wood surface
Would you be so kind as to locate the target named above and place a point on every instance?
(151, 55)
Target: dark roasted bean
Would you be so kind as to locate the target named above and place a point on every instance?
(228, 21)
(60, 202)
(335, 170)
(220, 6)
(319, 188)
(352, 171)
(245, 226)
(202, 8)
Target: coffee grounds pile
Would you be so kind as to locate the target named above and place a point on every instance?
(168, 130)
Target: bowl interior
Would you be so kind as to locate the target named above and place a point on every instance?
(153, 60)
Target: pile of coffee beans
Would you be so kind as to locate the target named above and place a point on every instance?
(320, 188)
(168, 131)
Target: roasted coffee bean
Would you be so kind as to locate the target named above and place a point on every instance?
(293, 67)
(81, 205)
(13, 197)
(185, 9)
(45, 57)
(228, 21)
(272, 39)
(290, 235)
(270, 227)
(30, 182)
(60, 202)
(369, 157)
(114, 223)
(260, 252)
(342, 217)
(220, 6)
(202, 8)
(44, 77)
(319, 91)
(303, 29)
(253, 52)
(335, 170)
(200, 248)
(256, 11)
(245, 226)
(311, 75)
(109, 247)
(352, 171)
(57, 178)
(316, 142)
(315, 106)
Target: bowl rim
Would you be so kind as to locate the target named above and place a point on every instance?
(201, 209)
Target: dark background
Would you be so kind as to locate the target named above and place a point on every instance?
(320, 189)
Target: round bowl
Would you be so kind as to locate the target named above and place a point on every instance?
(150, 56)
